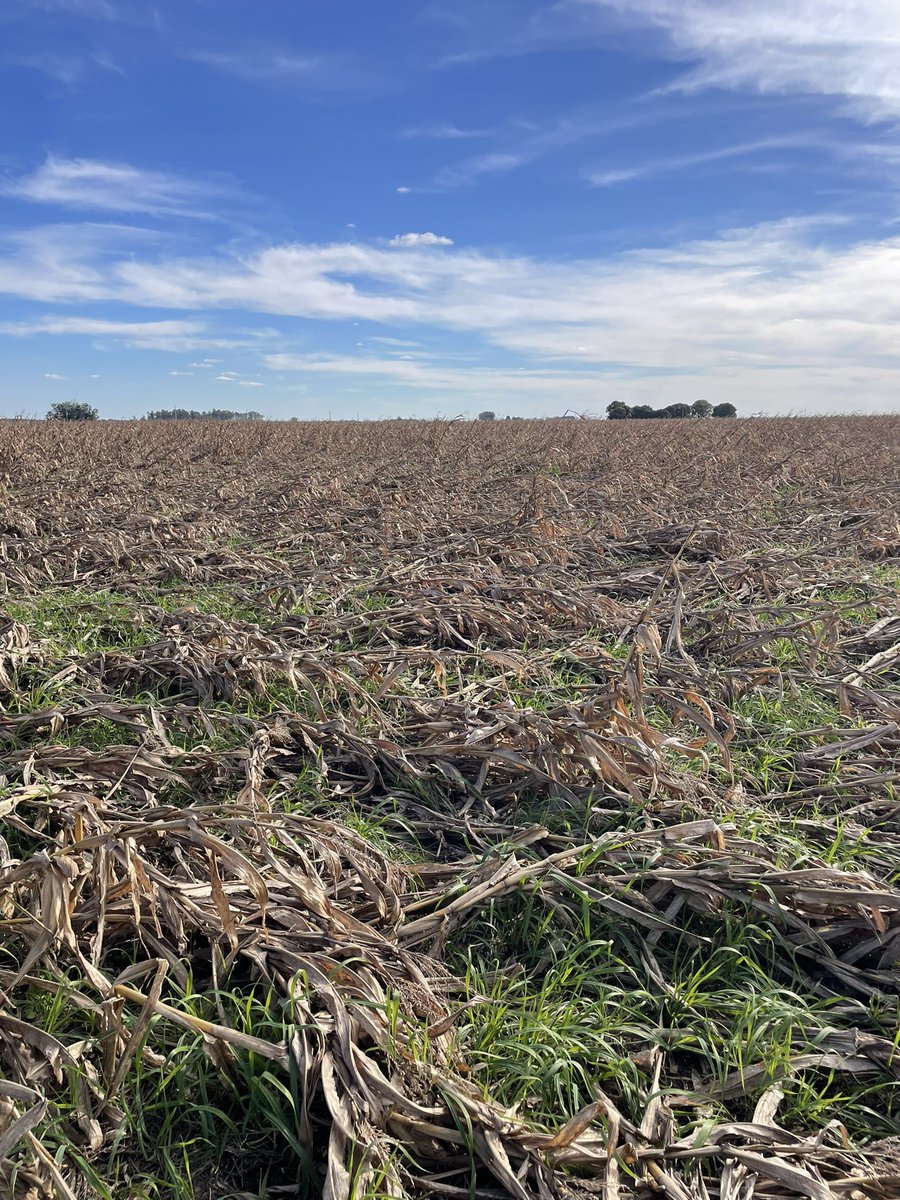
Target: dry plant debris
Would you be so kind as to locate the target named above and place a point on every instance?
(450, 810)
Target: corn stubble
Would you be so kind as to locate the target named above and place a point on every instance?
(295, 718)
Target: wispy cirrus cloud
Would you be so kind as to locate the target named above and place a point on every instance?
(475, 30)
(69, 69)
(96, 10)
(446, 133)
(667, 164)
(493, 163)
(521, 142)
(397, 343)
(261, 67)
(845, 49)
(178, 336)
(450, 382)
(126, 12)
(339, 73)
(235, 377)
(101, 186)
(842, 48)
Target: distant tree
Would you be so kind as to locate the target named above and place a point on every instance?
(641, 412)
(617, 411)
(72, 410)
(487, 415)
(724, 410)
(676, 410)
(701, 408)
(212, 414)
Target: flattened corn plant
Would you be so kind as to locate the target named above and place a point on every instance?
(430, 809)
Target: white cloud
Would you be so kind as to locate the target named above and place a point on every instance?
(482, 164)
(178, 335)
(402, 343)
(273, 65)
(66, 262)
(524, 142)
(55, 378)
(85, 183)
(95, 325)
(420, 239)
(407, 372)
(139, 12)
(844, 48)
(264, 66)
(250, 383)
(181, 372)
(522, 389)
(784, 314)
(446, 133)
(609, 177)
(94, 9)
(66, 68)
(536, 391)
(305, 279)
(403, 191)
(95, 376)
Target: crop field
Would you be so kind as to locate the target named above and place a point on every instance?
(435, 809)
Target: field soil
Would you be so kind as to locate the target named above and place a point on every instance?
(434, 809)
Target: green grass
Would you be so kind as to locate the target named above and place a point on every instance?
(77, 623)
(771, 724)
(557, 1012)
(229, 602)
(566, 995)
(542, 1045)
(34, 694)
(186, 1120)
(98, 734)
(384, 828)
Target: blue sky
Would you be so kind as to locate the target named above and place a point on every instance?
(396, 208)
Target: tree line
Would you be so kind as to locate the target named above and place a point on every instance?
(619, 411)
(211, 414)
(77, 410)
